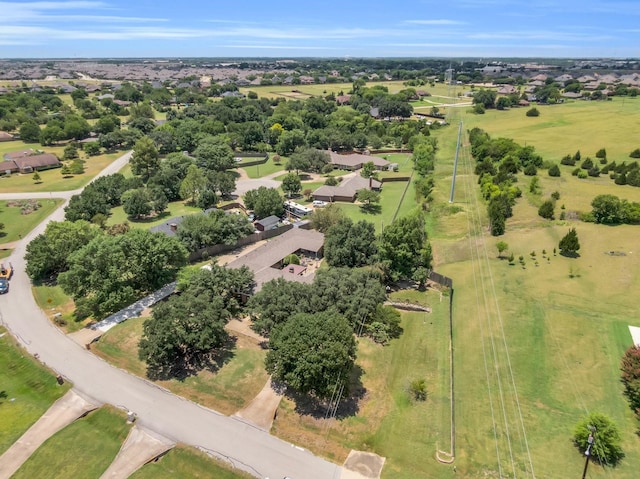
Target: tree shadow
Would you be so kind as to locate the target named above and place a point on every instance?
(347, 406)
(371, 209)
(570, 254)
(149, 219)
(184, 367)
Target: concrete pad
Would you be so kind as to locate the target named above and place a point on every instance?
(63, 412)
(140, 447)
(85, 336)
(635, 334)
(362, 465)
(262, 409)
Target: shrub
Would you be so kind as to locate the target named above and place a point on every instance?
(635, 153)
(555, 195)
(568, 160)
(607, 450)
(554, 170)
(594, 171)
(478, 109)
(530, 170)
(582, 174)
(533, 112)
(587, 164)
(546, 210)
(575, 172)
(601, 153)
(418, 389)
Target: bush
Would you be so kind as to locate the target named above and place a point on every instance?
(546, 210)
(587, 164)
(601, 153)
(582, 174)
(418, 389)
(568, 160)
(635, 153)
(594, 171)
(530, 170)
(555, 195)
(478, 109)
(533, 112)
(554, 170)
(606, 449)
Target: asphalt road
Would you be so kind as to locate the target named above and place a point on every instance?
(246, 446)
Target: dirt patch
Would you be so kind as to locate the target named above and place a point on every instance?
(365, 464)
(26, 206)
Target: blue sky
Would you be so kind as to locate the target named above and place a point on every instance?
(325, 28)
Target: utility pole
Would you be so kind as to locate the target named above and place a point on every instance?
(587, 453)
(455, 164)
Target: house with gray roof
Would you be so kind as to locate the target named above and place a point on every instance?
(347, 190)
(355, 161)
(266, 261)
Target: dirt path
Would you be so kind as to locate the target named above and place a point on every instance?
(140, 447)
(63, 412)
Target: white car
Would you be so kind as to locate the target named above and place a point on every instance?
(319, 204)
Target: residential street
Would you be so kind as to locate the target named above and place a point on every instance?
(247, 447)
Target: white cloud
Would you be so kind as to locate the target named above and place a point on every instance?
(436, 22)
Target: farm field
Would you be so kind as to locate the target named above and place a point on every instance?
(187, 463)
(97, 438)
(536, 348)
(27, 391)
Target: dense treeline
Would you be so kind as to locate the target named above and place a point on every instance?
(498, 160)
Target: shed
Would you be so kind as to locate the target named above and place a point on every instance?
(268, 223)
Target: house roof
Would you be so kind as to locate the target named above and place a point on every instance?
(261, 259)
(4, 136)
(12, 155)
(37, 161)
(348, 188)
(269, 221)
(356, 160)
(8, 165)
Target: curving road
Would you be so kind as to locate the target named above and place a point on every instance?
(247, 447)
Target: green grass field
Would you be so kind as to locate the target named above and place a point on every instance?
(51, 180)
(268, 168)
(550, 336)
(52, 300)
(177, 208)
(17, 225)
(84, 449)
(227, 389)
(27, 390)
(187, 463)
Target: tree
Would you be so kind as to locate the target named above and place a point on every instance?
(349, 244)
(546, 209)
(137, 203)
(312, 353)
(30, 131)
(291, 184)
(501, 246)
(554, 170)
(91, 149)
(630, 367)
(368, 198)
(145, 160)
(486, 98)
(601, 153)
(213, 154)
(36, 178)
(635, 153)
(183, 333)
(264, 202)
(48, 253)
(607, 209)
(113, 271)
(533, 112)
(403, 246)
(193, 184)
(503, 103)
(569, 244)
(368, 170)
(325, 218)
(606, 448)
(276, 302)
(288, 141)
(216, 227)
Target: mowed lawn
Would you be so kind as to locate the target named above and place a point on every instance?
(565, 128)
(27, 390)
(17, 225)
(387, 420)
(84, 449)
(51, 180)
(176, 208)
(563, 323)
(232, 386)
(187, 463)
(267, 168)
